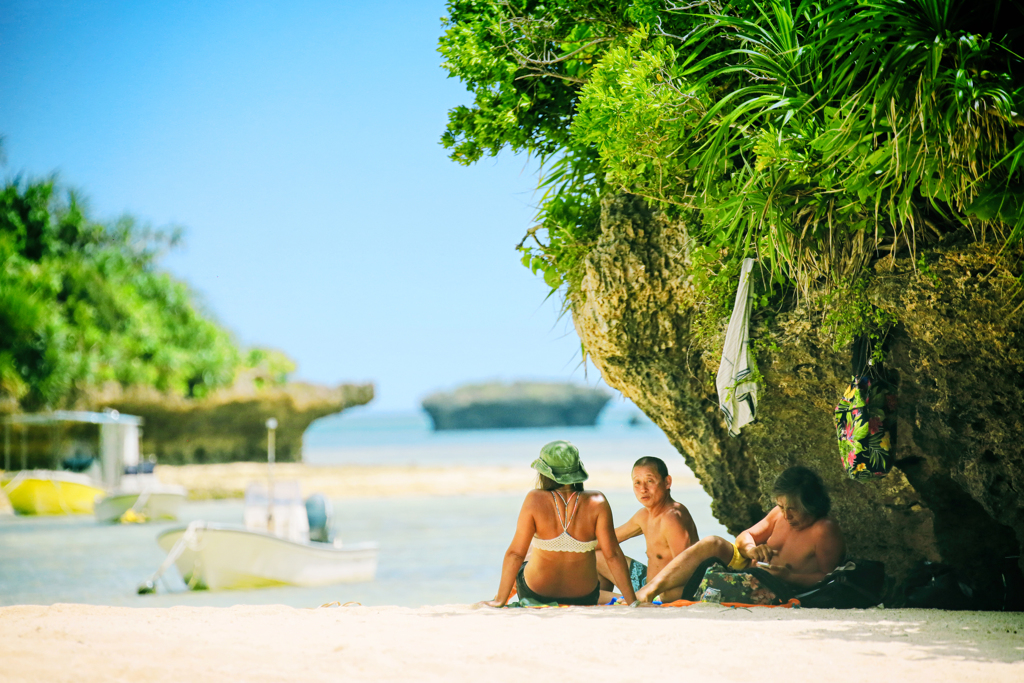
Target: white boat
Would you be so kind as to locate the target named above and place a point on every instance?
(134, 494)
(273, 548)
(218, 556)
(140, 497)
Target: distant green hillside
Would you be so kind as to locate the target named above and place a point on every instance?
(83, 304)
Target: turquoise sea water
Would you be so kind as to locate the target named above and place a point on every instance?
(406, 438)
(433, 550)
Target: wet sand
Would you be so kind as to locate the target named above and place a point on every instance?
(85, 643)
(352, 481)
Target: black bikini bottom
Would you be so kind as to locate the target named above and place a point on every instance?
(524, 591)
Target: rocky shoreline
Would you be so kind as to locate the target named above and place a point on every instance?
(230, 426)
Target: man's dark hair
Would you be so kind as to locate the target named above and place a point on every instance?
(651, 461)
(804, 484)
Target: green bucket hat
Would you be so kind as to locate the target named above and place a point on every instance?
(560, 461)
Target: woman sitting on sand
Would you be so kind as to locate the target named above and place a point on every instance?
(565, 525)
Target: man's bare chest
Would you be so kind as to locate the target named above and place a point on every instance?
(655, 538)
(792, 547)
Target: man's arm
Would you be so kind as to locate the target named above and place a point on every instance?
(526, 527)
(631, 529)
(751, 543)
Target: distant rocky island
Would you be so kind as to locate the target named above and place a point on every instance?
(514, 406)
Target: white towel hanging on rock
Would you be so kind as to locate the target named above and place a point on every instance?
(737, 392)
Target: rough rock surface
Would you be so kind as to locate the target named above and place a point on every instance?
(957, 491)
(231, 425)
(510, 406)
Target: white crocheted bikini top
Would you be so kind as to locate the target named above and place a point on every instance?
(564, 543)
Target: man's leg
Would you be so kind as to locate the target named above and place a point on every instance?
(677, 572)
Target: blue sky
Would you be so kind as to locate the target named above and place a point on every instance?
(297, 144)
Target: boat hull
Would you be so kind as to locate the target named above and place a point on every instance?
(156, 505)
(225, 557)
(45, 492)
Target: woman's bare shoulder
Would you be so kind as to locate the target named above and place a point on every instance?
(595, 498)
(536, 497)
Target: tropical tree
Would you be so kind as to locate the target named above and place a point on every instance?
(83, 303)
(526, 63)
(816, 136)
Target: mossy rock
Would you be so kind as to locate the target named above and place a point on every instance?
(956, 494)
(230, 425)
(509, 406)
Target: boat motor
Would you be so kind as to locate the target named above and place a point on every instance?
(320, 513)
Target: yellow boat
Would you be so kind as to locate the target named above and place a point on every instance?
(61, 492)
(51, 492)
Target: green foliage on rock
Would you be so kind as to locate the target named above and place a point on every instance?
(525, 63)
(268, 367)
(816, 137)
(82, 304)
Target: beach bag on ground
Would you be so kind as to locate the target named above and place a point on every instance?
(865, 419)
(745, 586)
(858, 584)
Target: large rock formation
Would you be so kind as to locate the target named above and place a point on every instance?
(957, 490)
(509, 406)
(229, 425)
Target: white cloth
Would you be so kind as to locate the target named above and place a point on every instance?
(737, 392)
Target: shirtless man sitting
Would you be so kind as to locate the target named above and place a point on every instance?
(666, 525)
(796, 541)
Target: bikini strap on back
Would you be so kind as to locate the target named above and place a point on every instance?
(558, 514)
(569, 517)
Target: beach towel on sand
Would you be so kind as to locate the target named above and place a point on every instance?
(677, 603)
(737, 392)
(526, 602)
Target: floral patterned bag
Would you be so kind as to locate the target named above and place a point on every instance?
(865, 418)
(745, 586)
(865, 426)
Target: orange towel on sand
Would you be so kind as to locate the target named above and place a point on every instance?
(686, 603)
(678, 603)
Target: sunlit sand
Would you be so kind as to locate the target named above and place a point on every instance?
(468, 642)
(462, 642)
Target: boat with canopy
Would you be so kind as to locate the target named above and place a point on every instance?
(117, 486)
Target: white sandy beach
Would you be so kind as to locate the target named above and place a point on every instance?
(89, 643)
(84, 643)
